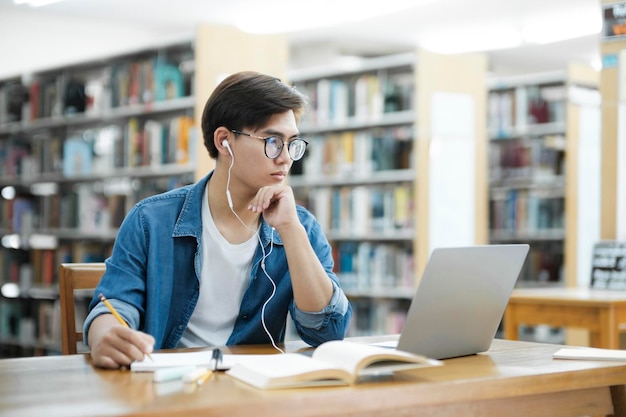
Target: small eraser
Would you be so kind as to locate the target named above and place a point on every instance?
(171, 374)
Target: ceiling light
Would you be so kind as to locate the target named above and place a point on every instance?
(287, 16)
(472, 41)
(36, 3)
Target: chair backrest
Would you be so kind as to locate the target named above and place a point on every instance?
(74, 276)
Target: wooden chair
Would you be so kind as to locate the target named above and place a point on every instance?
(74, 276)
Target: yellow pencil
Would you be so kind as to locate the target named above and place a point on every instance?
(204, 378)
(116, 315)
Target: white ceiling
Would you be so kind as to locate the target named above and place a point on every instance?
(386, 33)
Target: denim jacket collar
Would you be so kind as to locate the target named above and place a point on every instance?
(191, 216)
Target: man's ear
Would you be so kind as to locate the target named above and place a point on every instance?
(220, 136)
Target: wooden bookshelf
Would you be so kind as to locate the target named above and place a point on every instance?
(91, 140)
(534, 134)
(70, 169)
(357, 178)
(364, 173)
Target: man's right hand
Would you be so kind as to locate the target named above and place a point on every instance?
(113, 345)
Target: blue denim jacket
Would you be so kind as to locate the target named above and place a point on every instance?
(152, 276)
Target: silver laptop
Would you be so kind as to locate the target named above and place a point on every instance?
(461, 299)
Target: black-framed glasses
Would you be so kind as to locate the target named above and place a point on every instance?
(274, 145)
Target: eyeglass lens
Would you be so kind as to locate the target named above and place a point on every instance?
(274, 146)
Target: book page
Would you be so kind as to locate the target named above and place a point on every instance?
(288, 370)
(355, 357)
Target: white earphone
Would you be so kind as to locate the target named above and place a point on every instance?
(227, 146)
(228, 197)
(265, 255)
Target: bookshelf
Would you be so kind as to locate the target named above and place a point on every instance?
(535, 128)
(527, 141)
(358, 179)
(369, 130)
(80, 144)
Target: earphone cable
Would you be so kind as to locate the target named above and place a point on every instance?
(232, 161)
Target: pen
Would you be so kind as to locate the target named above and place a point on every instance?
(216, 358)
(117, 315)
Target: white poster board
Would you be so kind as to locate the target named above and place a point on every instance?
(620, 183)
(588, 172)
(452, 171)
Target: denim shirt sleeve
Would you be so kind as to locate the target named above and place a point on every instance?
(126, 311)
(314, 320)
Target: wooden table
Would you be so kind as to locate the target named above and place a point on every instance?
(601, 312)
(512, 379)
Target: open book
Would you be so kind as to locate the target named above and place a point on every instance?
(332, 363)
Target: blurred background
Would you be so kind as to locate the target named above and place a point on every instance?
(432, 123)
(520, 36)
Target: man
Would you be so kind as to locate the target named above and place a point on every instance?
(224, 260)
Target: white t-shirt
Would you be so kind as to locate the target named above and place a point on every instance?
(223, 280)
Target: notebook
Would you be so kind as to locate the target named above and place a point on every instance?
(461, 299)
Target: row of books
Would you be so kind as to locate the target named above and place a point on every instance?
(100, 150)
(17, 214)
(544, 265)
(13, 95)
(359, 153)
(83, 207)
(145, 81)
(94, 89)
(135, 144)
(363, 209)
(39, 326)
(526, 210)
(38, 267)
(359, 97)
(532, 159)
(371, 266)
(515, 108)
(385, 316)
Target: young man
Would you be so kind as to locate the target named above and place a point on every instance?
(223, 261)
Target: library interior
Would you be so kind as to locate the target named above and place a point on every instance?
(431, 124)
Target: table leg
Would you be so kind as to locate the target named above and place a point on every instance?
(608, 335)
(618, 396)
(511, 326)
(595, 340)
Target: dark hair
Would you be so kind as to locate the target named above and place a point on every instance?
(247, 100)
